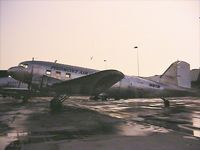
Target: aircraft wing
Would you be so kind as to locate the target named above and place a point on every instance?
(3, 73)
(92, 84)
(7, 91)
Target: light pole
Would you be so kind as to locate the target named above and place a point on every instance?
(138, 65)
(199, 45)
(105, 63)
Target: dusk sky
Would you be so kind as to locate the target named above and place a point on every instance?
(74, 31)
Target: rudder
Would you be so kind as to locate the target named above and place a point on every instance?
(177, 74)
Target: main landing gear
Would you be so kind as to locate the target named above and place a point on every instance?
(166, 102)
(96, 98)
(25, 99)
(56, 102)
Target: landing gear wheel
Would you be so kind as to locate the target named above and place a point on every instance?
(117, 98)
(25, 99)
(104, 98)
(166, 102)
(95, 98)
(56, 104)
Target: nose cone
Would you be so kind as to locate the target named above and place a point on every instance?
(18, 73)
(12, 71)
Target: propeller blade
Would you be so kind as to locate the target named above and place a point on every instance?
(3, 73)
(31, 78)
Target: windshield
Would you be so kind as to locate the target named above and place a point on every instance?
(23, 65)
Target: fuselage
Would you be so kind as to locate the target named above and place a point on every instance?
(37, 72)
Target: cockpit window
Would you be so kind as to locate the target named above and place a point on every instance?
(24, 65)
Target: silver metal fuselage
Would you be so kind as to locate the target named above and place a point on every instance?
(128, 87)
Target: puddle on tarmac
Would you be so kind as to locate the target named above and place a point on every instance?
(187, 123)
(141, 118)
(135, 129)
(194, 128)
(21, 138)
(126, 129)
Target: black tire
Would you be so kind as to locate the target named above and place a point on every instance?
(95, 98)
(25, 99)
(56, 105)
(166, 103)
(104, 98)
(117, 98)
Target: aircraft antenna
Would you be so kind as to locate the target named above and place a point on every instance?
(138, 65)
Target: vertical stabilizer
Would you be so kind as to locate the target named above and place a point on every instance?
(177, 74)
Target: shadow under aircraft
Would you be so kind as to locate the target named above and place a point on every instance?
(61, 81)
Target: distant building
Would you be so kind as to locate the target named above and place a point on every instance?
(195, 78)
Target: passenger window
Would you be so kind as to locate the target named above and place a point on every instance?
(67, 75)
(48, 72)
(58, 73)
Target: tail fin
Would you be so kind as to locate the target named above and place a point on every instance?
(177, 74)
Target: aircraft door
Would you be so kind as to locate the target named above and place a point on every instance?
(40, 76)
(44, 82)
(35, 77)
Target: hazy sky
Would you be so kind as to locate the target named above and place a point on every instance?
(73, 31)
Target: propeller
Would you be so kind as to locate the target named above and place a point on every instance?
(31, 79)
(3, 73)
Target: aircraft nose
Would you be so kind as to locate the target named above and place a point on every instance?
(17, 72)
(12, 70)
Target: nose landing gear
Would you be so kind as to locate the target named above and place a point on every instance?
(56, 104)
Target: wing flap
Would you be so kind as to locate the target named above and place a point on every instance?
(89, 85)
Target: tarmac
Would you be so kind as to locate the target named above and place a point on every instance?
(84, 124)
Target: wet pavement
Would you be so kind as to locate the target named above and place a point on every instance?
(87, 124)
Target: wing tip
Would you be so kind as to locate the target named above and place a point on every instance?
(116, 72)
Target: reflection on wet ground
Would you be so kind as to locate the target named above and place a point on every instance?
(34, 123)
(182, 116)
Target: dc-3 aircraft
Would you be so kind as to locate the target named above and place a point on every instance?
(60, 81)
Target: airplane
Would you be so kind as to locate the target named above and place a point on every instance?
(60, 81)
(174, 82)
(10, 87)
